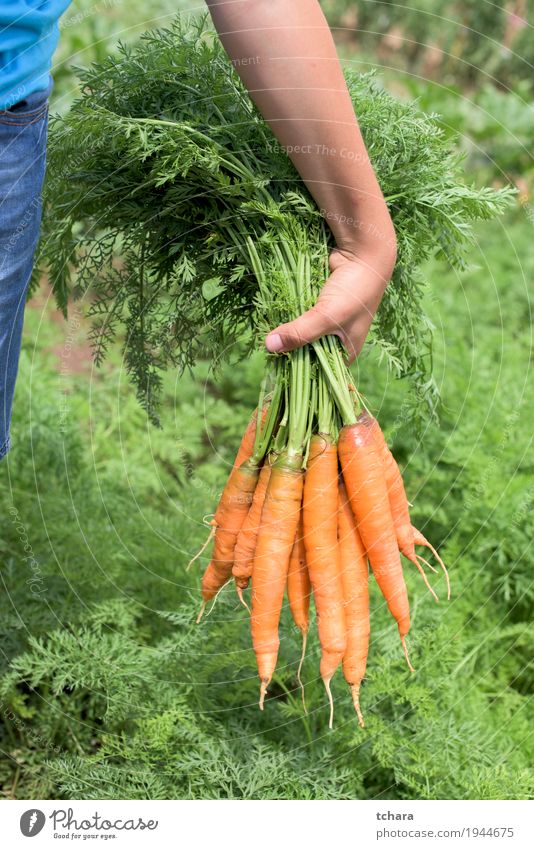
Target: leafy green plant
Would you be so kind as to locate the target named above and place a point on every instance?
(89, 30)
(165, 162)
(493, 127)
(464, 43)
(109, 508)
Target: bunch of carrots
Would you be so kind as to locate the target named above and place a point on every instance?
(313, 497)
(220, 241)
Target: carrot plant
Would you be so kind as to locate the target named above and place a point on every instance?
(171, 203)
(102, 697)
(165, 161)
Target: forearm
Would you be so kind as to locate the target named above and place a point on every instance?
(285, 54)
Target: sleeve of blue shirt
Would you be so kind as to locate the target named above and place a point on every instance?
(29, 33)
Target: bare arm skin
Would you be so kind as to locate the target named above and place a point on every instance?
(285, 54)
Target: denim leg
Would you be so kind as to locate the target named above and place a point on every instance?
(23, 131)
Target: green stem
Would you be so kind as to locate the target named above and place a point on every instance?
(344, 375)
(261, 404)
(338, 387)
(324, 406)
(290, 268)
(289, 255)
(264, 435)
(311, 416)
(299, 399)
(281, 436)
(233, 163)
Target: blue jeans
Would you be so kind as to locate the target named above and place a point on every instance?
(23, 131)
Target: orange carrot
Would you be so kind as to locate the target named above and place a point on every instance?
(298, 594)
(355, 577)
(247, 442)
(279, 520)
(248, 535)
(368, 496)
(398, 502)
(231, 513)
(244, 453)
(320, 515)
(397, 495)
(298, 582)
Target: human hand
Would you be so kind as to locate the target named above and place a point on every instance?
(347, 303)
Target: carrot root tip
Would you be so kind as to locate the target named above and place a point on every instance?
(219, 591)
(421, 540)
(355, 690)
(406, 655)
(299, 670)
(326, 682)
(425, 579)
(427, 563)
(242, 599)
(201, 612)
(263, 693)
(202, 549)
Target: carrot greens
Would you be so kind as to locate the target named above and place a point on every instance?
(170, 204)
(165, 162)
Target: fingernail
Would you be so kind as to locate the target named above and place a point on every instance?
(274, 343)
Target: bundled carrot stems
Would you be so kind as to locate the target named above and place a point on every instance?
(314, 496)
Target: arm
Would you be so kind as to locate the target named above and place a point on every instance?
(285, 55)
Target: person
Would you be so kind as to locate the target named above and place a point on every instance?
(286, 57)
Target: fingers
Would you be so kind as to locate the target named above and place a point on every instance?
(345, 308)
(324, 319)
(353, 336)
(315, 323)
(306, 328)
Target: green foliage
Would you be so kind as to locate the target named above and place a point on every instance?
(468, 62)
(89, 30)
(464, 42)
(165, 162)
(495, 128)
(109, 690)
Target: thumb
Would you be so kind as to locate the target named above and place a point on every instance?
(306, 328)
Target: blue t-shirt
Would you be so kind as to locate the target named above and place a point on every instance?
(29, 33)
